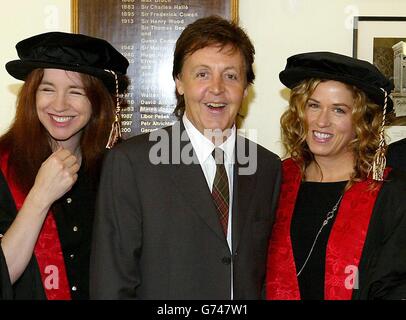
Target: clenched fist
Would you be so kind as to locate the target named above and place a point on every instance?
(56, 176)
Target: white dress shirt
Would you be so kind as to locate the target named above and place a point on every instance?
(204, 148)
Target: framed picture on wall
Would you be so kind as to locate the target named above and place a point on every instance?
(382, 41)
(374, 37)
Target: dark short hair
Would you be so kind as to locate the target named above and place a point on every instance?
(211, 31)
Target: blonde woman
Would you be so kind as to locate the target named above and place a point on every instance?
(340, 230)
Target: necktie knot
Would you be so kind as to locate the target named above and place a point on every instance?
(218, 156)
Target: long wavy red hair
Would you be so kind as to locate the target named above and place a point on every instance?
(27, 141)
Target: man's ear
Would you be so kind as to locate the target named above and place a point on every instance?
(179, 86)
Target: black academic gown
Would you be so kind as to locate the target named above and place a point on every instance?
(396, 156)
(382, 268)
(6, 292)
(382, 264)
(74, 209)
(383, 261)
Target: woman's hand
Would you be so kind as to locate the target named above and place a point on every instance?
(56, 176)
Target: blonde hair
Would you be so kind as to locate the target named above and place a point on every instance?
(366, 122)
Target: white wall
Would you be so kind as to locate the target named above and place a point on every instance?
(278, 28)
(19, 20)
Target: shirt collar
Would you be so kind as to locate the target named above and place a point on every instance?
(204, 147)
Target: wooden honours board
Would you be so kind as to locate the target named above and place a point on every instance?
(145, 32)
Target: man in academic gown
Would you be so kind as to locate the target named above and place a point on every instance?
(173, 221)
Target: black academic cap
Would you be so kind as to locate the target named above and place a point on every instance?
(333, 66)
(69, 51)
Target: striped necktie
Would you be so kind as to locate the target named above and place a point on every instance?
(220, 190)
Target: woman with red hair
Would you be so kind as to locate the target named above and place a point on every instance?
(50, 160)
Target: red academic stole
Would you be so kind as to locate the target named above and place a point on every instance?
(344, 248)
(48, 251)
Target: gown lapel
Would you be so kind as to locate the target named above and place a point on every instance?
(347, 239)
(47, 250)
(281, 280)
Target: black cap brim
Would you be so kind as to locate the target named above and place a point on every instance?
(332, 66)
(291, 78)
(21, 69)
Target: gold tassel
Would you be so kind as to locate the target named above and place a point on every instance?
(115, 133)
(379, 164)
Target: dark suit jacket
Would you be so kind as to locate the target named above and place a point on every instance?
(397, 155)
(157, 233)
